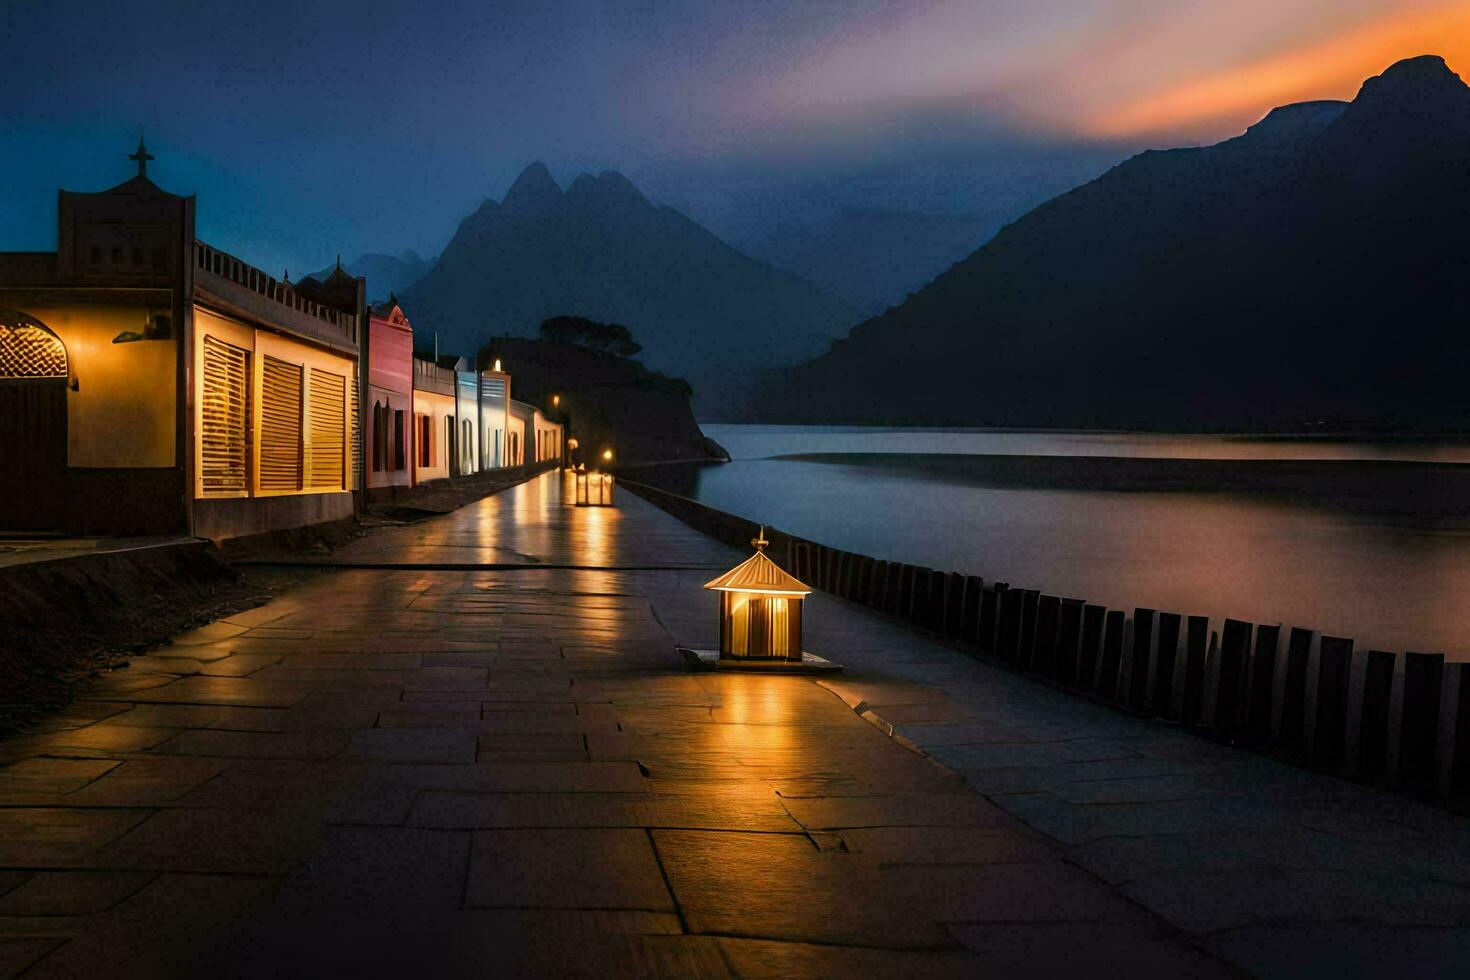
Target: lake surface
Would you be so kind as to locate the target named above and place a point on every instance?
(1368, 539)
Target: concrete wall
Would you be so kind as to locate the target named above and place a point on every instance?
(224, 518)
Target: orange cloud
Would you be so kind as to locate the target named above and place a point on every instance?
(1334, 68)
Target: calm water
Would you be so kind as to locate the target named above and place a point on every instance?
(1332, 550)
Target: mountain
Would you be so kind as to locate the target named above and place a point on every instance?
(385, 273)
(874, 257)
(602, 250)
(1315, 270)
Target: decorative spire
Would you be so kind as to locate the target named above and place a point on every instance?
(339, 261)
(759, 542)
(141, 157)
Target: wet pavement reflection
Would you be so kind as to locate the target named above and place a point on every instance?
(461, 771)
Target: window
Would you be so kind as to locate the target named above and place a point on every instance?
(380, 436)
(328, 429)
(423, 437)
(400, 441)
(223, 411)
(448, 438)
(280, 426)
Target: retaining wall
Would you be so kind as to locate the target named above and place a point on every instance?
(1401, 721)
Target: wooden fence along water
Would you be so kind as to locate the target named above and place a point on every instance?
(1402, 723)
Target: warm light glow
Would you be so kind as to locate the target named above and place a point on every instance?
(555, 400)
(496, 369)
(1332, 69)
(607, 455)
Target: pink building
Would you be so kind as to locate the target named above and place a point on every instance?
(390, 417)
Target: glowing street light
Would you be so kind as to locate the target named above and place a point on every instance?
(760, 608)
(592, 488)
(760, 620)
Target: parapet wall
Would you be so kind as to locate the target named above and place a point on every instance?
(1399, 722)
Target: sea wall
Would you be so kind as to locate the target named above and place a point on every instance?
(1399, 721)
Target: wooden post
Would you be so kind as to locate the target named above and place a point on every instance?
(1112, 654)
(857, 585)
(970, 612)
(1139, 658)
(954, 605)
(1196, 644)
(1373, 728)
(873, 597)
(1459, 774)
(1234, 645)
(905, 590)
(892, 587)
(1028, 628)
(918, 610)
(853, 576)
(1419, 728)
(1087, 655)
(1069, 641)
(1263, 683)
(938, 601)
(803, 562)
(1044, 645)
(1334, 657)
(1162, 705)
(990, 606)
(1009, 634)
(1292, 731)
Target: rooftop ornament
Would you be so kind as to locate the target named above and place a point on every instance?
(760, 619)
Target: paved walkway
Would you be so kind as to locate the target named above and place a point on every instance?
(447, 772)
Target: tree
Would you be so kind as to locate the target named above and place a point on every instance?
(611, 337)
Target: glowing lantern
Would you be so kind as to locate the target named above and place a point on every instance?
(760, 609)
(593, 489)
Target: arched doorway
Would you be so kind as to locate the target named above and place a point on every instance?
(33, 376)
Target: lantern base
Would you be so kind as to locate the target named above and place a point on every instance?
(809, 663)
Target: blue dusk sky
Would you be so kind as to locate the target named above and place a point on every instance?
(312, 128)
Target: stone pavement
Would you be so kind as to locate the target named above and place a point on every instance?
(449, 772)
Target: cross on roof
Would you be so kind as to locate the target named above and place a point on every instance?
(142, 157)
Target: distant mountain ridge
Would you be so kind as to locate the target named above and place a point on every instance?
(600, 249)
(875, 257)
(1314, 270)
(386, 274)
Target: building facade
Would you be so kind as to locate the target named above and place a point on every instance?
(151, 384)
(434, 421)
(494, 417)
(389, 400)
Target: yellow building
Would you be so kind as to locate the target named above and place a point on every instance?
(150, 383)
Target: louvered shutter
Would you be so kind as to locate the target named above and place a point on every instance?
(328, 429)
(224, 409)
(355, 421)
(280, 426)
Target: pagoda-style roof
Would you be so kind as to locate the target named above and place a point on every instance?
(759, 574)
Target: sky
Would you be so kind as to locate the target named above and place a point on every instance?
(308, 129)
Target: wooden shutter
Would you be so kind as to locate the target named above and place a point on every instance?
(328, 429)
(224, 411)
(400, 438)
(280, 426)
(355, 434)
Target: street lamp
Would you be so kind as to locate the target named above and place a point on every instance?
(760, 608)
